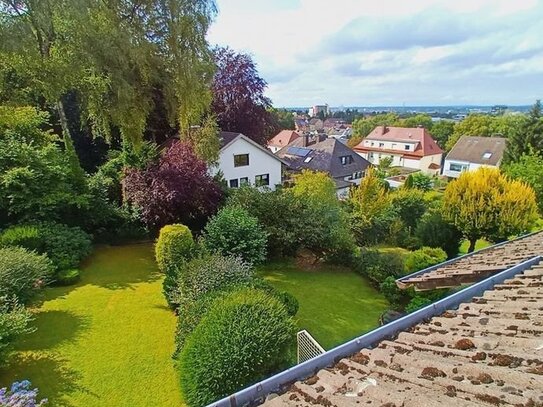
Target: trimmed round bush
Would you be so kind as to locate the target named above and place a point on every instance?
(190, 313)
(173, 246)
(23, 273)
(233, 231)
(244, 337)
(424, 257)
(64, 245)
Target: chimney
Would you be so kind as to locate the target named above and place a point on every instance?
(385, 129)
(305, 139)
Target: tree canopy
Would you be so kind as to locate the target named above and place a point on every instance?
(238, 96)
(115, 55)
(485, 203)
(176, 189)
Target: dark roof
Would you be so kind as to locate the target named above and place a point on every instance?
(473, 149)
(226, 137)
(323, 156)
(475, 266)
(485, 353)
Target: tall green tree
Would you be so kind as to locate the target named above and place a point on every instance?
(115, 54)
(441, 131)
(529, 168)
(528, 137)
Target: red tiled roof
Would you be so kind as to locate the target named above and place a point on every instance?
(283, 138)
(426, 145)
(434, 166)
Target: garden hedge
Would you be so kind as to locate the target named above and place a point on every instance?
(244, 337)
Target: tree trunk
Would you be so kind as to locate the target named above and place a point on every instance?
(472, 243)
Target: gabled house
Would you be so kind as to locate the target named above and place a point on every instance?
(470, 153)
(281, 139)
(327, 155)
(316, 124)
(408, 147)
(244, 162)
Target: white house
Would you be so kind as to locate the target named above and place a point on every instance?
(243, 161)
(470, 153)
(407, 147)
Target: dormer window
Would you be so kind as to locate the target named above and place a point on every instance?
(381, 145)
(346, 159)
(406, 147)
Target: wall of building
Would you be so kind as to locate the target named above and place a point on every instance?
(430, 159)
(259, 163)
(391, 145)
(455, 174)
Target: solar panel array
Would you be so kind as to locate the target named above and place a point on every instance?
(299, 151)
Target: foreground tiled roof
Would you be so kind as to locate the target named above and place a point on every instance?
(488, 352)
(474, 267)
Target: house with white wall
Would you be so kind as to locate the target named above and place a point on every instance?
(470, 153)
(412, 148)
(244, 162)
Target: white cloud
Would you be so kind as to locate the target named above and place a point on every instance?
(352, 52)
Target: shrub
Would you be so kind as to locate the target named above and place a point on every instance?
(67, 277)
(20, 395)
(174, 245)
(22, 273)
(416, 303)
(396, 297)
(202, 275)
(14, 321)
(424, 257)
(378, 266)
(244, 337)
(64, 245)
(233, 231)
(434, 231)
(190, 313)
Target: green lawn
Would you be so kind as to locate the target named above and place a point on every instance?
(335, 303)
(106, 341)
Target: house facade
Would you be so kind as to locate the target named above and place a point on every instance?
(412, 148)
(244, 162)
(319, 153)
(470, 153)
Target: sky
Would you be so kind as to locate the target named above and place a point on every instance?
(389, 52)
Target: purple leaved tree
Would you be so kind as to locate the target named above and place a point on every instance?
(176, 189)
(238, 96)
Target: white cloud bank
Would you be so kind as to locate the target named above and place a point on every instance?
(419, 52)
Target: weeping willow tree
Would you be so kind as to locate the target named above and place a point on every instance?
(116, 54)
(487, 204)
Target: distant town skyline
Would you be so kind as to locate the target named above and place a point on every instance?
(389, 53)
